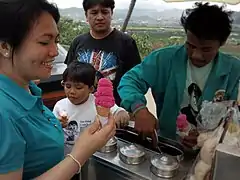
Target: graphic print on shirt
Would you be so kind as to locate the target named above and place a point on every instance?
(192, 109)
(71, 132)
(83, 124)
(104, 62)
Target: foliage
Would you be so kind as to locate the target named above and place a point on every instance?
(146, 39)
(69, 29)
(143, 43)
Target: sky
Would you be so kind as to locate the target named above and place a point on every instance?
(151, 4)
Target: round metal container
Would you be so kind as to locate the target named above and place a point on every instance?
(132, 154)
(110, 146)
(164, 166)
(173, 151)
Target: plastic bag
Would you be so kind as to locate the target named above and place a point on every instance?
(232, 137)
(212, 114)
(206, 139)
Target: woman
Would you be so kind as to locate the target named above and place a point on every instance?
(31, 137)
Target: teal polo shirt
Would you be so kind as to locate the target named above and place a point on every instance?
(30, 136)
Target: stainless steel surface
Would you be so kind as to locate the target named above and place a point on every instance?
(226, 163)
(163, 174)
(132, 154)
(156, 136)
(112, 163)
(164, 145)
(172, 151)
(164, 166)
(110, 146)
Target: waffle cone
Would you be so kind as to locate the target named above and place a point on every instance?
(102, 111)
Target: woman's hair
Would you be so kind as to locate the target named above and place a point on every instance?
(208, 22)
(87, 4)
(18, 16)
(80, 72)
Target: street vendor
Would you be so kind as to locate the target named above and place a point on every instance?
(181, 77)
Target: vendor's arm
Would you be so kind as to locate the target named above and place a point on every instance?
(136, 82)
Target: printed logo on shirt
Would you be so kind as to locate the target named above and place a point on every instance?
(71, 132)
(105, 63)
(192, 109)
(84, 124)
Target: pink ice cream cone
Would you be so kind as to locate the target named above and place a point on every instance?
(104, 99)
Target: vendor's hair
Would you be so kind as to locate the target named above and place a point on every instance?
(80, 72)
(208, 22)
(18, 16)
(87, 4)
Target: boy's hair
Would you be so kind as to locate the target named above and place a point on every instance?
(208, 22)
(80, 72)
(87, 4)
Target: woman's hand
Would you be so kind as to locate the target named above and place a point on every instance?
(121, 118)
(92, 139)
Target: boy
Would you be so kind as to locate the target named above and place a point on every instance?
(78, 110)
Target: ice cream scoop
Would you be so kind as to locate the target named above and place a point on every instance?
(63, 113)
(104, 99)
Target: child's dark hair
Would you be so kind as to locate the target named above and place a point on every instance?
(87, 4)
(208, 22)
(80, 72)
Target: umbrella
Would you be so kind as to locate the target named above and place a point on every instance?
(231, 2)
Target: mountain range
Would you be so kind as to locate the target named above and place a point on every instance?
(140, 16)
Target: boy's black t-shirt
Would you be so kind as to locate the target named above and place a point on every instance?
(112, 56)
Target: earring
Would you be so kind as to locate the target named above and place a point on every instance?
(6, 54)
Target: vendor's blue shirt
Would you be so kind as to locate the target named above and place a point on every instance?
(30, 136)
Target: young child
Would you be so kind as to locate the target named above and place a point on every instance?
(78, 109)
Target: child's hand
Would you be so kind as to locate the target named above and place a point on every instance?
(63, 119)
(121, 118)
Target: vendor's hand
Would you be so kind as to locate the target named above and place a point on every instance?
(121, 118)
(92, 139)
(63, 120)
(191, 140)
(146, 123)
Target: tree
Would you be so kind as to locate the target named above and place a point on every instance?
(143, 43)
(130, 10)
(70, 29)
